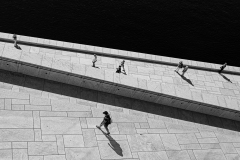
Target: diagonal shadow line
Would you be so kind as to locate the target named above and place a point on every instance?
(185, 79)
(36, 85)
(113, 144)
(225, 77)
(18, 47)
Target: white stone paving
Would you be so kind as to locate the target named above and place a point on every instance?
(200, 86)
(61, 136)
(37, 124)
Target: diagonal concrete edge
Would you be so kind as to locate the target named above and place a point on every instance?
(116, 88)
(118, 84)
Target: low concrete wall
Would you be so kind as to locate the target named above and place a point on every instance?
(200, 90)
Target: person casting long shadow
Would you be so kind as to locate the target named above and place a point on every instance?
(113, 144)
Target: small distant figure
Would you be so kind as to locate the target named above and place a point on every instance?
(94, 60)
(184, 70)
(106, 121)
(222, 67)
(118, 69)
(15, 40)
(180, 65)
(122, 65)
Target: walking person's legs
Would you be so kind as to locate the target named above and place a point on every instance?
(184, 70)
(106, 127)
(15, 43)
(100, 125)
(118, 69)
(15, 40)
(123, 68)
(106, 121)
(94, 60)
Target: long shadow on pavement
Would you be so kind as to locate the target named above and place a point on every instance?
(225, 77)
(37, 85)
(113, 144)
(185, 79)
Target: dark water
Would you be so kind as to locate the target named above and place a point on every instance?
(204, 30)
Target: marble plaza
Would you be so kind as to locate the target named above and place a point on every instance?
(45, 114)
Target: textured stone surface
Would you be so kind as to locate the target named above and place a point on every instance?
(213, 154)
(153, 155)
(170, 142)
(73, 141)
(60, 125)
(19, 144)
(42, 148)
(126, 128)
(200, 86)
(62, 106)
(16, 135)
(16, 119)
(133, 136)
(43, 120)
(6, 154)
(178, 155)
(151, 142)
(55, 157)
(20, 154)
(60, 144)
(89, 138)
(82, 153)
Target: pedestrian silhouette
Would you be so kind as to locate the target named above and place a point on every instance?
(15, 40)
(106, 121)
(222, 67)
(118, 69)
(122, 65)
(180, 65)
(94, 60)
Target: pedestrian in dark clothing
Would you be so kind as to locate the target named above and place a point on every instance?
(222, 67)
(106, 121)
(15, 40)
(94, 60)
(122, 65)
(180, 65)
(118, 69)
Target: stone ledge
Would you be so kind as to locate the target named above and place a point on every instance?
(179, 96)
(161, 60)
(117, 88)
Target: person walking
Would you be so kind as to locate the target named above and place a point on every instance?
(94, 60)
(180, 65)
(15, 40)
(222, 67)
(118, 69)
(106, 121)
(184, 70)
(122, 65)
